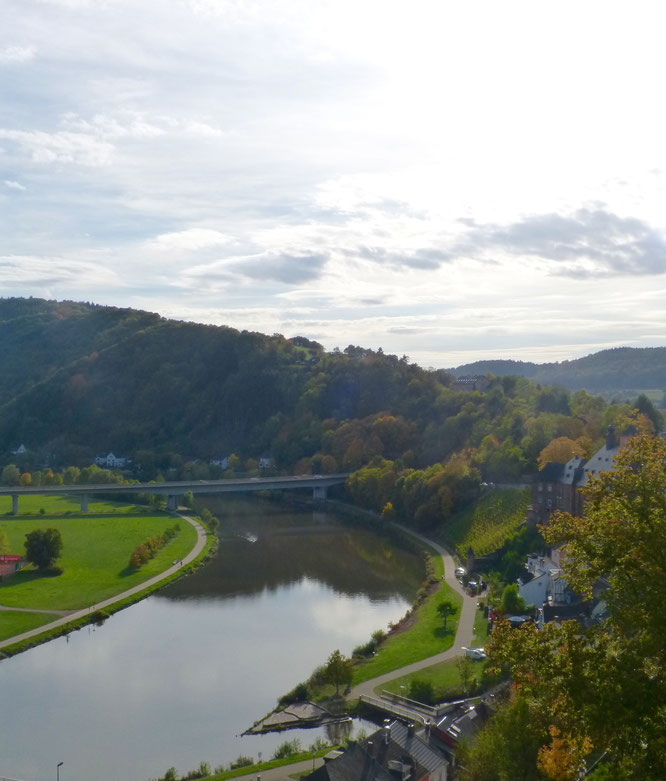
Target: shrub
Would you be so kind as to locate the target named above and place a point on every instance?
(287, 749)
(241, 761)
(422, 691)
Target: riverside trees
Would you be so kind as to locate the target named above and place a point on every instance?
(604, 688)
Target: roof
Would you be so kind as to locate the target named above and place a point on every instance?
(380, 756)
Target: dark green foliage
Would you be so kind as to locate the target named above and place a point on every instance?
(339, 670)
(446, 609)
(42, 547)
(422, 691)
(241, 761)
(150, 548)
(287, 749)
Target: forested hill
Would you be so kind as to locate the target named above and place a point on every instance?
(622, 368)
(81, 380)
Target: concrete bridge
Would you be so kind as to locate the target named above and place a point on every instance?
(318, 484)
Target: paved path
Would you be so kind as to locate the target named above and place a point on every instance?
(282, 773)
(464, 635)
(76, 614)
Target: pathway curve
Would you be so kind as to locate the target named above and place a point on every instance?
(76, 614)
(464, 634)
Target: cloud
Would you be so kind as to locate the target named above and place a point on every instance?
(191, 239)
(589, 242)
(61, 147)
(17, 53)
(14, 185)
(282, 267)
(42, 271)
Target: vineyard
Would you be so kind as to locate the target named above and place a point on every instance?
(486, 524)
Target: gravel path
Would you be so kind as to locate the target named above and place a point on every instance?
(76, 614)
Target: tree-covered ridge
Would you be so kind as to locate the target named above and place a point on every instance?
(172, 396)
(607, 370)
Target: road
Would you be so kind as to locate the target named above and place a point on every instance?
(76, 614)
(464, 634)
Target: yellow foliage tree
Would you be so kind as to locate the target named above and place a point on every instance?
(560, 450)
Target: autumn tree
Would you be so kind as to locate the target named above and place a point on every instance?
(604, 686)
(560, 451)
(10, 475)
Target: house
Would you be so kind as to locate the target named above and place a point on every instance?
(393, 753)
(266, 461)
(9, 565)
(223, 462)
(548, 584)
(557, 486)
(111, 462)
(462, 721)
(472, 382)
(20, 450)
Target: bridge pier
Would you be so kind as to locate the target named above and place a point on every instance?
(172, 502)
(14, 504)
(84, 503)
(319, 493)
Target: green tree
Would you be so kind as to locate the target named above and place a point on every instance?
(42, 547)
(10, 475)
(71, 475)
(4, 542)
(446, 609)
(512, 604)
(422, 691)
(339, 670)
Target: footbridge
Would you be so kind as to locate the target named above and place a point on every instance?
(174, 491)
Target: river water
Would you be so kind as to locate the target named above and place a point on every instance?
(176, 678)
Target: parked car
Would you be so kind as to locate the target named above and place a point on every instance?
(460, 572)
(478, 654)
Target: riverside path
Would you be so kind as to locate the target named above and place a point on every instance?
(464, 634)
(74, 615)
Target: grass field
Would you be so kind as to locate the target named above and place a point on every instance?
(59, 505)
(13, 622)
(444, 677)
(426, 638)
(95, 555)
(486, 524)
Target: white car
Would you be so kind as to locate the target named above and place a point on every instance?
(478, 654)
(460, 572)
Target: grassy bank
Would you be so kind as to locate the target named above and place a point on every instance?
(425, 637)
(14, 622)
(94, 560)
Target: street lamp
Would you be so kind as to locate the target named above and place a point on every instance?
(58, 769)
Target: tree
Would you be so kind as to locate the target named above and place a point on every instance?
(4, 542)
(512, 604)
(605, 686)
(339, 670)
(446, 609)
(560, 450)
(42, 547)
(10, 475)
(25, 479)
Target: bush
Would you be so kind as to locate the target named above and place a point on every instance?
(287, 749)
(422, 691)
(241, 761)
(150, 548)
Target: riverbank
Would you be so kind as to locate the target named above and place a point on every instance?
(100, 610)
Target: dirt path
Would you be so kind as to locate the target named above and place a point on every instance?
(76, 614)
(464, 634)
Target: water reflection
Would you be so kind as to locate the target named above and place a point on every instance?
(174, 679)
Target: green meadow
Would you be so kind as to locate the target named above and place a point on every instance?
(95, 554)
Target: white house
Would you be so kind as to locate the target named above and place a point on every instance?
(223, 462)
(266, 461)
(548, 584)
(20, 450)
(111, 462)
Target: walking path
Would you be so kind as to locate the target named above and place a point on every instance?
(464, 634)
(76, 614)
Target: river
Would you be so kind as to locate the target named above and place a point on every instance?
(175, 679)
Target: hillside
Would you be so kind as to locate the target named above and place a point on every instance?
(621, 368)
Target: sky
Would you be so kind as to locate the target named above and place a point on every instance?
(448, 181)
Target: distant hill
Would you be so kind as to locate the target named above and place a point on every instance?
(620, 368)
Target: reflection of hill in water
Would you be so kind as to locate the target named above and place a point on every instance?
(291, 546)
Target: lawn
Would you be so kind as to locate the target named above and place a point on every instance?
(13, 622)
(444, 677)
(425, 638)
(54, 504)
(94, 560)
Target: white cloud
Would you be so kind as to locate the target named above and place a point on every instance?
(191, 239)
(14, 185)
(17, 53)
(61, 147)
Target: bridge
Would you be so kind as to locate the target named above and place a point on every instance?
(318, 484)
